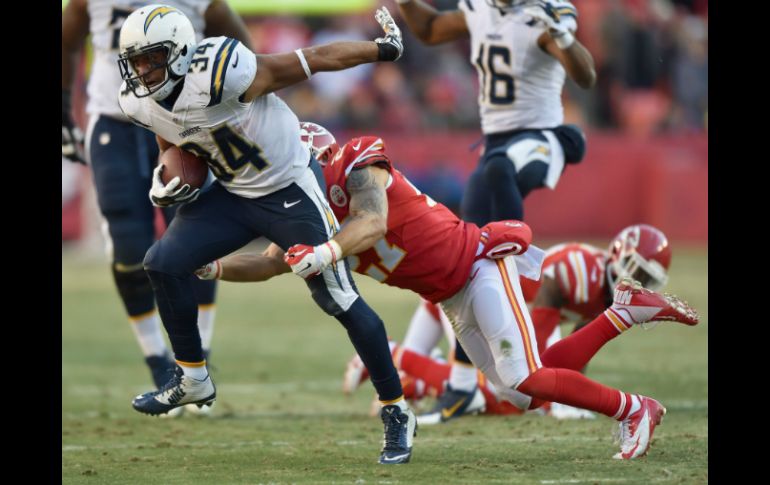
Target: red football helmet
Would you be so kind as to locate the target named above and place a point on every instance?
(319, 141)
(641, 252)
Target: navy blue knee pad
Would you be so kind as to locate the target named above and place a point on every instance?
(498, 168)
(134, 289)
(573, 142)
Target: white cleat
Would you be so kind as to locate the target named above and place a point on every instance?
(640, 305)
(637, 429)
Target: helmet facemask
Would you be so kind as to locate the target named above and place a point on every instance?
(321, 143)
(138, 83)
(650, 273)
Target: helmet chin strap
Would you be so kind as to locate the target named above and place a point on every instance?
(166, 89)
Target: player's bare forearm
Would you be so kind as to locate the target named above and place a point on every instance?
(431, 26)
(368, 219)
(340, 55)
(253, 267)
(580, 65)
(577, 61)
(278, 71)
(74, 30)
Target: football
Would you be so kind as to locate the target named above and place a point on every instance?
(189, 168)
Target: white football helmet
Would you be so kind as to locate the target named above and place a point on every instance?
(319, 141)
(153, 28)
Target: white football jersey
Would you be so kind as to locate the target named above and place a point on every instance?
(106, 19)
(253, 148)
(519, 84)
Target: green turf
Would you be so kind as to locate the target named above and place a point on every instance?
(281, 418)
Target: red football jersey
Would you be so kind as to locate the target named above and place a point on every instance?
(579, 270)
(427, 249)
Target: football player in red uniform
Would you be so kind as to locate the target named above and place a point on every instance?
(576, 285)
(403, 238)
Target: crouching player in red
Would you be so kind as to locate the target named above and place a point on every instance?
(403, 238)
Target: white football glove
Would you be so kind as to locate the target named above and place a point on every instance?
(309, 261)
(392, 45)
(559, 16)
(167, 195)
(71, 136)
(212, 271)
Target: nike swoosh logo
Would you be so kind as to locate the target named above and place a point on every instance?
(357, 145)
(236, 60)
(306, 267)
(447, 413)
(394, 458)
(286, 205)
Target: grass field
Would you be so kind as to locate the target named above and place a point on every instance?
(280, 416)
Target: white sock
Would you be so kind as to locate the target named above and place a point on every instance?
(424, 331)
(463, 377)
(147, 330)
(197, 372)
(206, 314)
(636, 404)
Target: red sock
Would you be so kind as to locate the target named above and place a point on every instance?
(413, 388)
(574, 352)
(422, 367)
(574, 389)
(544, 320)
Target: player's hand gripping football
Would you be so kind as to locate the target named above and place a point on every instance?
(392, 45)
(167, 195)
(71, 136)
(559, 16)
(309, 261)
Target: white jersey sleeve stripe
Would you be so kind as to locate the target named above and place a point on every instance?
(564, 277)
(581, 278)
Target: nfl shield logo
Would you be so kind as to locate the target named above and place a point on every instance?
(338, 196)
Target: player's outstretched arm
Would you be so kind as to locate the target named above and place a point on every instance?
(246, 267)
(278, 71)
(431, 26)
(560, 19)
(576, 59)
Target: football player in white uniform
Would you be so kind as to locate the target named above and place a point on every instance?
(122, 157)
(215, 98)
(522, 50)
